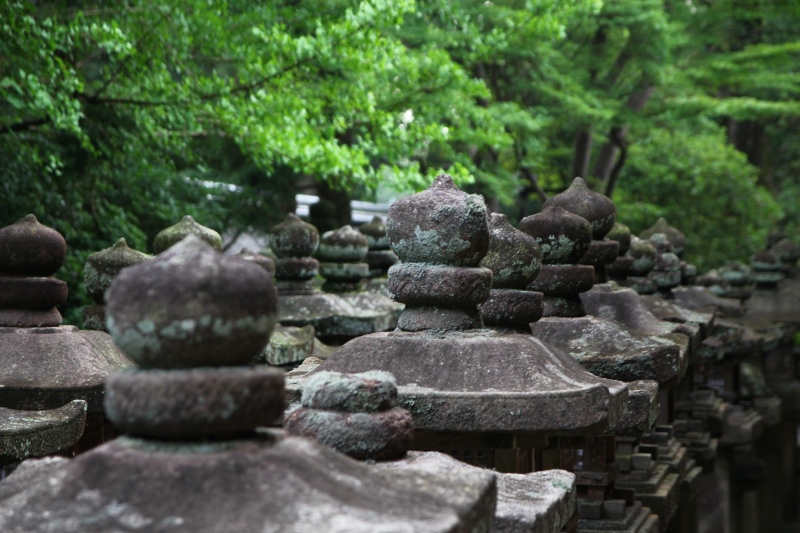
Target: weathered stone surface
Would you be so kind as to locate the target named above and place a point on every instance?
(343, 245)
(513, 257)
(644, 256)
(187, 226)
(417, 284)
(194, 403)
(441, 225)
(265, 262)
(563, 237)
(621, 268)
(32, 293)
(675, 236)
(344, 271)
(539, 502)
(439, 319)
(271, 484)
(622, 234)
(94, 317)
(600, 253)
(47, 367)
(102, 267)
(626, 307)
(699, 299)
(332, 315)
(380, 261)
(288, 345)
(366, 392)
(25, 434)
(296, 268)
(666, 310)
(200, 301)
(293, 238)
(28, 248)
(482, 381)
(599, 210)
(511, 308)
(563, 280)
(377, 436)
(643, 408)
(375, 231)
(607, 350)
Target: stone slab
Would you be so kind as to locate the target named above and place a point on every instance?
(25, 434)
(483, 381)
(271, 484)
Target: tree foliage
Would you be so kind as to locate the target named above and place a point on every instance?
(116, 119)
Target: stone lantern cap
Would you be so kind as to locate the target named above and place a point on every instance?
(102, 267)
(187, 226)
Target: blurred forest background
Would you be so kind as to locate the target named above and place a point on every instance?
(118, 118)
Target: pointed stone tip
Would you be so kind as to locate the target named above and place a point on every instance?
(120, 243)
(28, 219)
(190, 242)
(377, 220)
(579, 182)
(188, 218)
(443, 181)
(291, 217)
(498, 219)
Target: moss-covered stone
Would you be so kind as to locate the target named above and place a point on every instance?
(187, 226)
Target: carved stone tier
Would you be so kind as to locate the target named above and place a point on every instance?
(25, 434)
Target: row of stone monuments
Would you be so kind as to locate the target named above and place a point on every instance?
(559, 376)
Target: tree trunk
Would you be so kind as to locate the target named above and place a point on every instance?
(582, 154)
(608, 153)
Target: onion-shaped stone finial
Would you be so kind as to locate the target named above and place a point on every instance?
(441, 235)
(513, 257)
(622, 234)
(193, 319)
(30, 253)
(293, 238)
(598, 209)
(102, 267)
(375, 231)
(675, 236)
(187, 226)
(442, 225)
(343, 244)
(203, 308)
(562, 236)
(644, 256)
(28, 248)
(341, 253)
(515, 260)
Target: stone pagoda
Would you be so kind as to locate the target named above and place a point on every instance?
(44, 365)
(301, 302)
